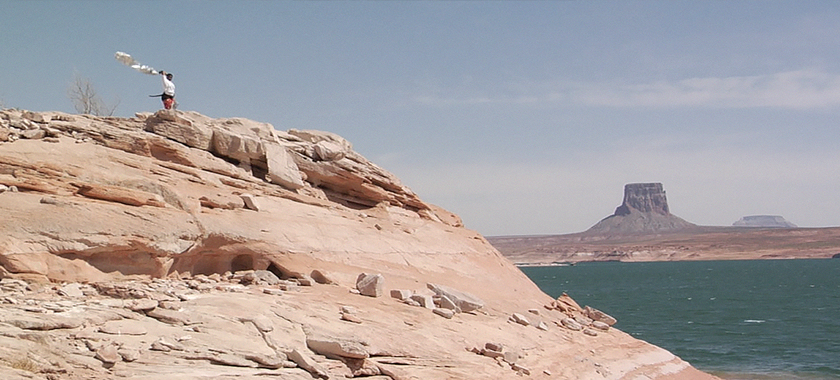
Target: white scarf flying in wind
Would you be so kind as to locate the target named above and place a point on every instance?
(130, 62)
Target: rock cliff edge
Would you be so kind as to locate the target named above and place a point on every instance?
(174, 245)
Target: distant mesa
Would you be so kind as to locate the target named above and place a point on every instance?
(644, 210)
(766, 221)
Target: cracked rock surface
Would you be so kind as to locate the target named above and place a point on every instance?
(178, 246)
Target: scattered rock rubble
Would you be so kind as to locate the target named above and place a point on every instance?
(101, 319)
(503, 356)
(125, 322)
(446, 302)
(586, 319)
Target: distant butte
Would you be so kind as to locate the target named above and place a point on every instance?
(642, 228)
(644, 210)
(766, 221)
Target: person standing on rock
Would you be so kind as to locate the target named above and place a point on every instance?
(168, 95)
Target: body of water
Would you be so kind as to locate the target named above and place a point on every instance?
(740, 320)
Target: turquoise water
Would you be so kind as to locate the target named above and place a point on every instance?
(740, 320)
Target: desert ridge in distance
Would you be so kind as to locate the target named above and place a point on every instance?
(643, 229)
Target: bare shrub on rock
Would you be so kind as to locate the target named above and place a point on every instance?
(86, 100)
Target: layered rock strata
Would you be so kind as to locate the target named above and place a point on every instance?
(222, 248)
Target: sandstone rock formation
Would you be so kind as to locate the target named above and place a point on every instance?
(174, 245)
(764, 221)
(643, 211)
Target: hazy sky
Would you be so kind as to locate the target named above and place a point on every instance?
(521, 117)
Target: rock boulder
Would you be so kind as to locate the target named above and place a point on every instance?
(370, 285)
(464, 301)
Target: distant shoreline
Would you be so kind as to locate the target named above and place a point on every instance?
(539, 265)
(703, 244)
(544, 264)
